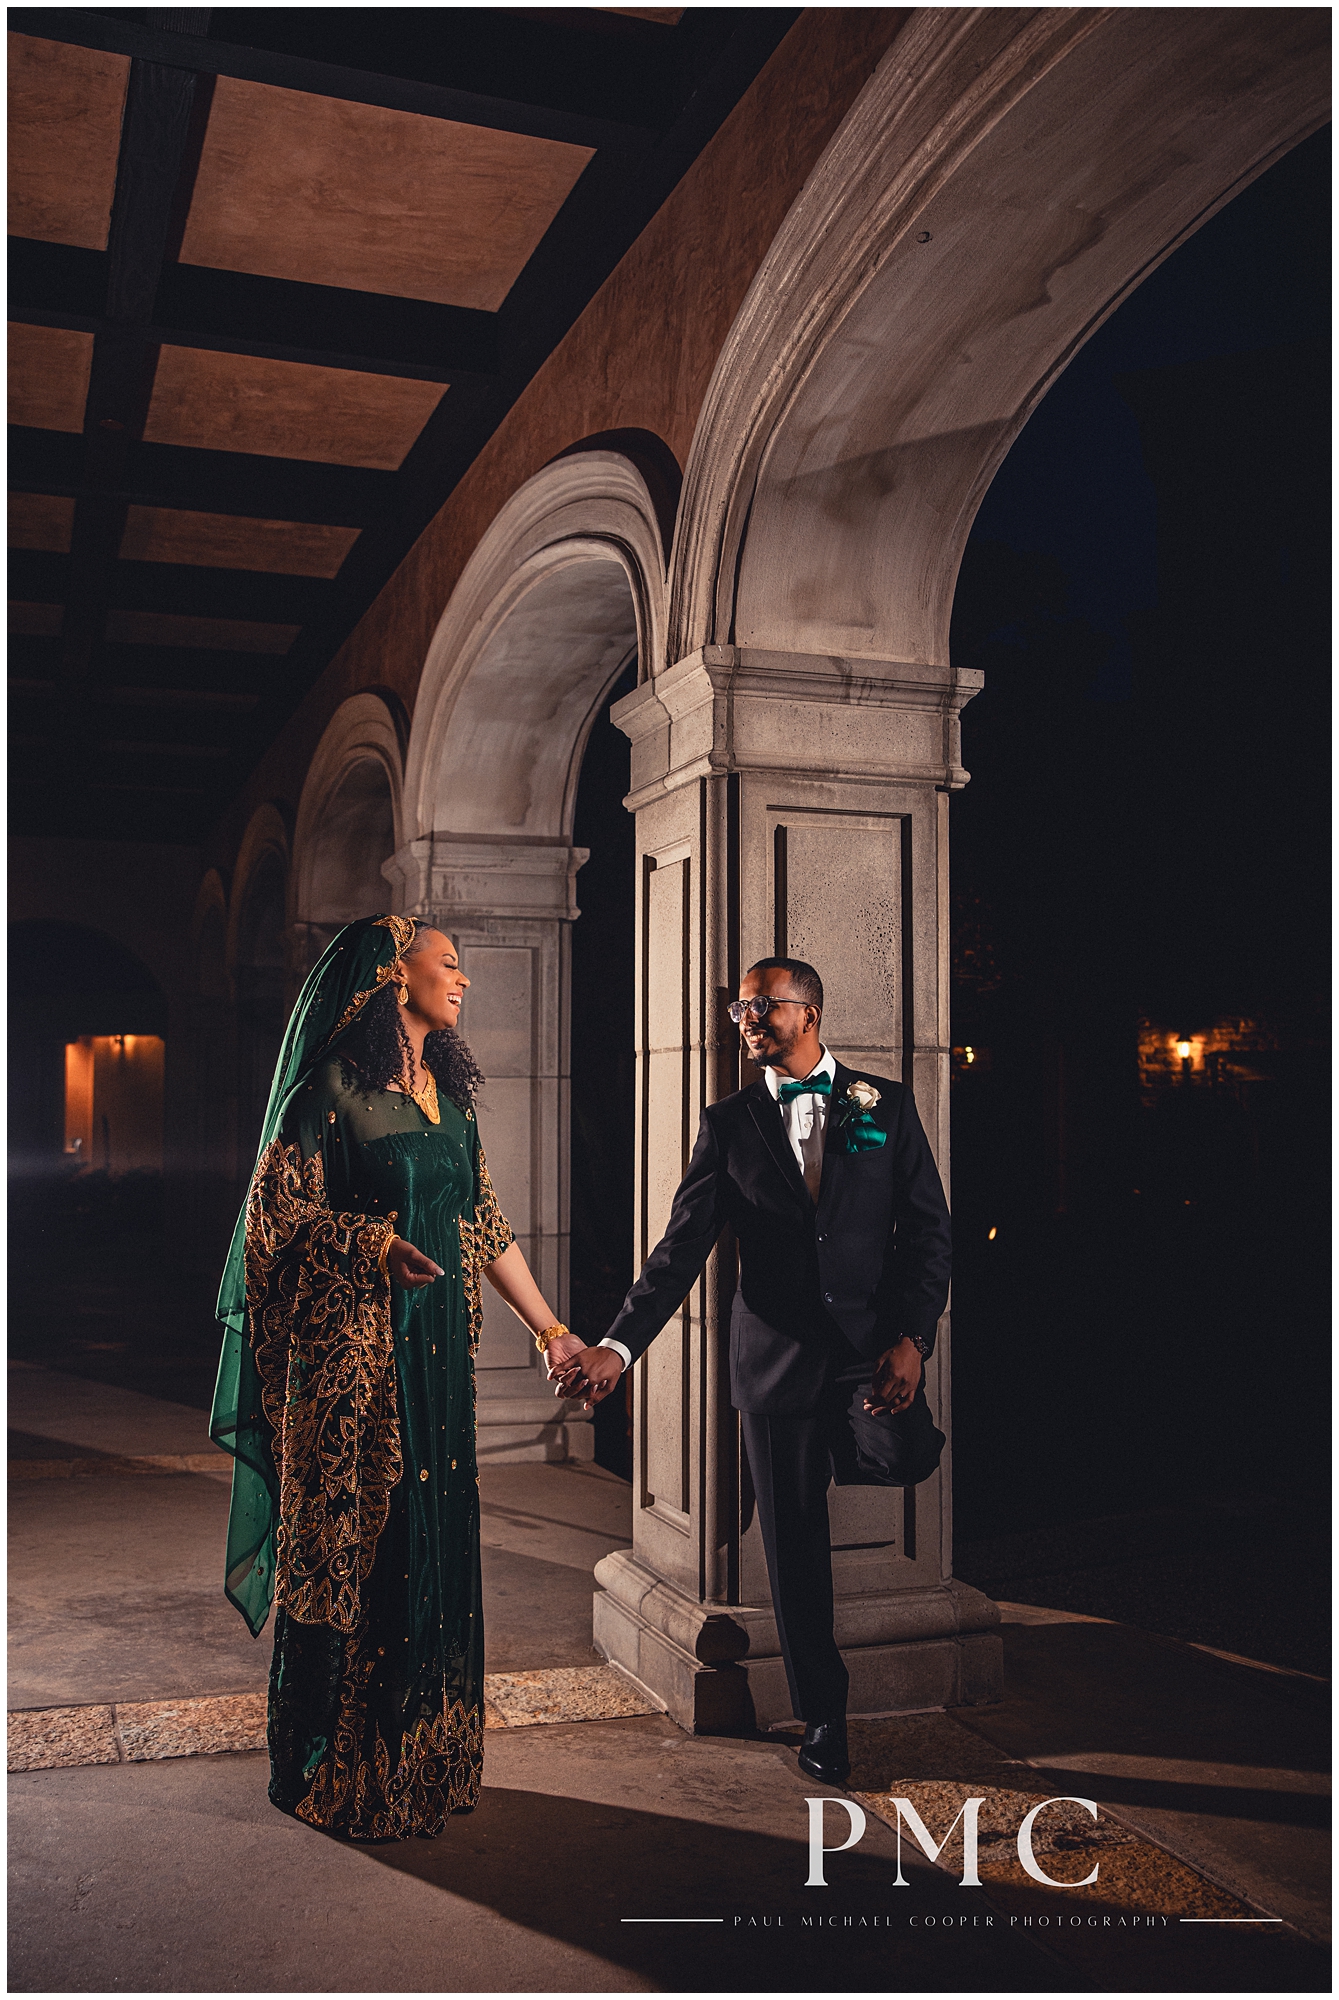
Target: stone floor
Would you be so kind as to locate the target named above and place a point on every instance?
(610, 1852)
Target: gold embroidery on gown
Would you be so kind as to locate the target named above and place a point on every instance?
(439, 1770)
(481, 1242)
(321, 1335)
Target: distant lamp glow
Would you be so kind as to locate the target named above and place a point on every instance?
(991, 1234)
(969, 1055)
(1183, 1050)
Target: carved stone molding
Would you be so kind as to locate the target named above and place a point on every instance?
(731, 708)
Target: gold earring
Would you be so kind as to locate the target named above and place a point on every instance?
(402, 995)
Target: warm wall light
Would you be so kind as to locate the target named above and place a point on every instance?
(114, 1101)
(991, 1234)
(969, 1055)
(1183, 1050)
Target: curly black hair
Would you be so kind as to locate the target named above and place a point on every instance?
(379, 1046)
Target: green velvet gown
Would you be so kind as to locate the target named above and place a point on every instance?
(360, 1396)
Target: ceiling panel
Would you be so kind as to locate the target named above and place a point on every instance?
(230, 635)
(35, 621)
(48, 377)
(286, 409)
(64, 133)
(40, 521)
(231, 541)
(335, 193)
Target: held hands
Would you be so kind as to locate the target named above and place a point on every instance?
(409, 1267)
(560, 1351)
(590, 1373)
(896, 1377)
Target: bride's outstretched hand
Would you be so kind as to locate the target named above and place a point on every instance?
(409, 1267)
(560, 1351)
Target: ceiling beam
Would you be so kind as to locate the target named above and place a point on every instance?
(179, 589)
(208, 482)
(234, 312)
(155, 134)
(417, 93)
(175, 673)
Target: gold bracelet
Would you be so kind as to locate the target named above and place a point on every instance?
(385, 1252)
(550, 1333)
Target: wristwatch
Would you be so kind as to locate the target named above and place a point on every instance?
(922, 1347)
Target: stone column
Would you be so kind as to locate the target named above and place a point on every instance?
(786, 805)
(509, 906)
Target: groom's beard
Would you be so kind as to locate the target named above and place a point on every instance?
(775, 1048)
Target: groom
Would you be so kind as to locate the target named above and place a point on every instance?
(828, 1182)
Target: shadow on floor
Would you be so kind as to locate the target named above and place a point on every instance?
(609, 1863)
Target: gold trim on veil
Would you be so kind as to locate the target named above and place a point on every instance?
(402, 930)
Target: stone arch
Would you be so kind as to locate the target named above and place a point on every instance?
(1004, 180)
(262, 858)
(569, 578)
(567, 583)
(349, 823)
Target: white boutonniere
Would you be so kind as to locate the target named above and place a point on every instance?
(854, 1128)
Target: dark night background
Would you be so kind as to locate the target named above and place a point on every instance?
(1141, 1395)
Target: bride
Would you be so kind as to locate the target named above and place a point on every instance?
(352, 1305)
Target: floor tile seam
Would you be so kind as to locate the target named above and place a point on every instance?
(1056, 1614)
(197, 1713)
(240, 1694)
(135, 1701)
(1283, 1677)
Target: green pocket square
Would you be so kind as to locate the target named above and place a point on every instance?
(860, 1134)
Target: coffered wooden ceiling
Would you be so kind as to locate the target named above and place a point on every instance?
(276, 275)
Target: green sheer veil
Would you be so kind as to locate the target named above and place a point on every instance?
(353, 969)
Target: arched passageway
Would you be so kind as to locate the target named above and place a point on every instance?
(348, 824)
(563, 594)
(71, 988)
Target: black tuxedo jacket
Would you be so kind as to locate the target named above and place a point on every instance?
(846, 1277)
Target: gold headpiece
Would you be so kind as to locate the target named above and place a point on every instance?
(402, 931)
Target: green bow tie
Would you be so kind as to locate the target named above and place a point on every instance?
(817, 1086)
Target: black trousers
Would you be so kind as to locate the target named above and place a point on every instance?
(793, 1461)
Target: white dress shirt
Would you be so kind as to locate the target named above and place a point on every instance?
(806, 1121)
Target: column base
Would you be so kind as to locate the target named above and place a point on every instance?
(719, 1670)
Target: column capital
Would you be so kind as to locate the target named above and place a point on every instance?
(456, 878)
(740, 708)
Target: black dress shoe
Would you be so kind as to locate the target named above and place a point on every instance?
(823, 1753)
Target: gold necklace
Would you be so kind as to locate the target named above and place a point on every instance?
(426, 1099)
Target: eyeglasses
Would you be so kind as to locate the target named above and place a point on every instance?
(759, 1008)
